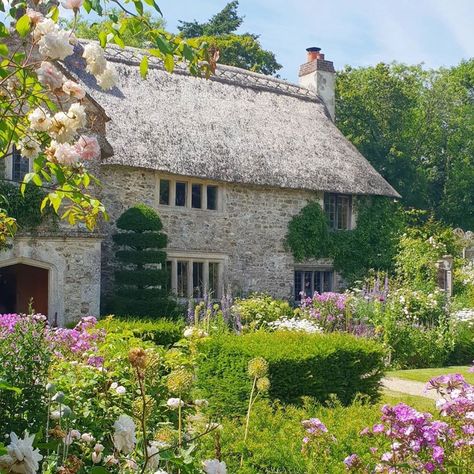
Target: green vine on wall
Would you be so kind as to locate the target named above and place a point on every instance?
(25, 208)
(371, 245)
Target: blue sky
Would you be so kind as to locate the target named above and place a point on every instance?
(354, 32)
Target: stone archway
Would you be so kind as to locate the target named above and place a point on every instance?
(25, 283)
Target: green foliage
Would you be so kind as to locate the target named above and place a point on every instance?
(299, 365)
(25, 208)
(225, 22)
(275, 437)
(414, 125)
(371, 245)
(26, 358)
(161, 332)
(463, 350)
(239, 50)
(260, 308)
(140, 283)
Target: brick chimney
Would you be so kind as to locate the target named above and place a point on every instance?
(319, 75)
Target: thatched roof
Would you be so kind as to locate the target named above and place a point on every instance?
(238, 127)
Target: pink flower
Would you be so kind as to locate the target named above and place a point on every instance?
(66, 154)
(49, 76)
(73, 4)
(74, 89)
(88, 148)
(34, 16)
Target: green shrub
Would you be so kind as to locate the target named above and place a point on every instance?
(261, 308)
(315, 365)
(140, 283)
(162, 332)
(463, 349)
(275, 438)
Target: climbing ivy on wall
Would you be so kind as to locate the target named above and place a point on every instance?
(25, 208)
(371, 245)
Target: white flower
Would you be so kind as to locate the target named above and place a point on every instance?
(95, 59)
(72, 4)
(21, 457)
(108, 78)
(124, 436)
(62, 129)
(188, 332)
(160, 471)
(295, 324)
(201, 403)
(49, 76)
(131, 464)
(89, 149)
(96, 457)
(40, 120)
(153, 456)
(55, 415)
(77, 116)
(98, 448)
(111, 460)
(74, 89)
(44, 27)
(66, 154)
(29, 147)
(87, 437)
(213, 466)
(121, 390)
(55, 45)
(113, 385)
(174, 403)
(34, 16)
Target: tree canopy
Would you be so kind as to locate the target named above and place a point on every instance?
(415, 126)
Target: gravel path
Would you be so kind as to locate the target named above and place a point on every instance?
(408, 386)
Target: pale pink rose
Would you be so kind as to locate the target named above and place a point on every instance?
(73, 4)
(49, 76)
(55, 45)
(108, 78)
(88, 148)
(74, 89)
(66, 154)
(35, 17)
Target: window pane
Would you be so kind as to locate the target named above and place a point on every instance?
(318, 284)
(343, 211)
(164, 191)
(212, 197)
(181, 194)
(198, 283)
(196, 196)
(214, 279)
(168, 275)
(20, 166)
(298, 285)
(327, 280)
(182, 289)
(308, 284)
(330, 209)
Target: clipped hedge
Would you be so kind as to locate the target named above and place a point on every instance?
(314, 365)
(162, 332)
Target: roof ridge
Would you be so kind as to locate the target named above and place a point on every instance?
(223, 73)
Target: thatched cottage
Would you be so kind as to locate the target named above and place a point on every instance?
(227, 162)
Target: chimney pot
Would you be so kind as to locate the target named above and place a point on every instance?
(314, 53)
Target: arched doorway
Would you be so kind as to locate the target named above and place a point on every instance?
(22, 285)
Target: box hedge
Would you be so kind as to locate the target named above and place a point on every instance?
(162, 332)
(314, 365)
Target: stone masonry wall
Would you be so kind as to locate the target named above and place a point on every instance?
(250, 229)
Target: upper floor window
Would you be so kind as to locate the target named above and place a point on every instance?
(338, 208)
(17, 167)
(189, 194)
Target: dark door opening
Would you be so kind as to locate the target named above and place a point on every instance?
(21, 285)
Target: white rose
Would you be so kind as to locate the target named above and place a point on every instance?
(77, 116)
(124, 436)
(95, 59)
(108, 79)
(174, 403)
(21, 457)
(73, 89)
(29, 148)
(40, 120)
(55, 45)
(213, 466)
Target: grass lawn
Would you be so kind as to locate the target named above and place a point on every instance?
(419, 403)
(423, 375)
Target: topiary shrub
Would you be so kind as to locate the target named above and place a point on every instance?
(299, 365)
(141, 282)
(162, 332)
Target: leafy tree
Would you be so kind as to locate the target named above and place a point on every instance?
(223, 23)
(416, 127)
(240, 50)
(140, 283)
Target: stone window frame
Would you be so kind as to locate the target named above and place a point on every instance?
(173, 256)
(173, 179)
(9, 165)
(337, 196)
(313, 269)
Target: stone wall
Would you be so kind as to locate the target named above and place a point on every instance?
(249, 230)
(74, 265)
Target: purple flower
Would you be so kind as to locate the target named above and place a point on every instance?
(352, 461)
(438, 454)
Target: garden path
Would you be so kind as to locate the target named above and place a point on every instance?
(409, 387)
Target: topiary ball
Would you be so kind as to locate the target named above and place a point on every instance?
(140, 218)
